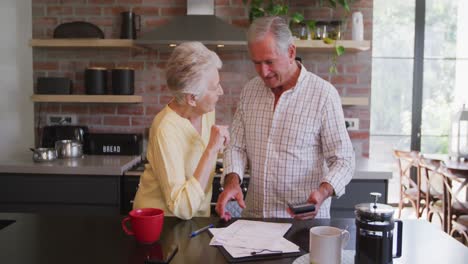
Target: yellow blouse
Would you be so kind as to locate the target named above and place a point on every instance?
(174, 150)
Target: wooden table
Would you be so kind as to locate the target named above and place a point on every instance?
(85, 239)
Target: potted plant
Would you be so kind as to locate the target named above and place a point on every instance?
(260, 8)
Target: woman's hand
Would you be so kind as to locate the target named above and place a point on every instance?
(219, 138)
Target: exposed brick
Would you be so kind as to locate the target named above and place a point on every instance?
(37, 2)
(45, 66)
(90, 120)
(129, 1)
(100, 109)
(243, 22)
(165, 99)
(165, 2)
(72, 2)
(114, 10)
(45, 21)
(75, 108)
(88, 11)
(221, 2)
(173, 11)
(141, 121)
(344, 79)
(230, 11)
(130, 110)
(59, 10)
(151, 23)
(152, 110)
(38, 11)
(147, 10)
(358, 134)
(101, 2)
(116, 120)
(102, 22)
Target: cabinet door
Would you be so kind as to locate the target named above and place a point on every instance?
(37, 193)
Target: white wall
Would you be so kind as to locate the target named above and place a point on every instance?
(16, 78)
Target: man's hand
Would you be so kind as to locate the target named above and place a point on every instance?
(232, 190)
(316, 197)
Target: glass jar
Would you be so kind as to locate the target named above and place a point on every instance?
(334, 30)
(320, 30)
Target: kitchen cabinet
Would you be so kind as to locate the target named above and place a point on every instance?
(56, 193)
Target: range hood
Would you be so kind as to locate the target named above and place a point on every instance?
(200, 24)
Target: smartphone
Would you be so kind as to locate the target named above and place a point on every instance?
(167, 255)
(301, 207)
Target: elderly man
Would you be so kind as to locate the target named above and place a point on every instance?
(289, 127)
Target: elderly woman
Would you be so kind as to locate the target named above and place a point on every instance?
(184, 142)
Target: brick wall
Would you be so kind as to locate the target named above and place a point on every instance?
(353, 78)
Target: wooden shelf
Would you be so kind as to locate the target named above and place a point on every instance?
(319, 45)
(354, 100)
(83, 43)
(111, 99)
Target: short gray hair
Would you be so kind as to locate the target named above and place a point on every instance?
(187, 67)
(275, 25)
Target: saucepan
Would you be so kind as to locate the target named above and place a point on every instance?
(44, 154)
(69, 148)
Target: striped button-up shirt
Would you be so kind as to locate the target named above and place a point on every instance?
(291, 148)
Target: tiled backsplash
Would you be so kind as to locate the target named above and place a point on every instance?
(353, 78)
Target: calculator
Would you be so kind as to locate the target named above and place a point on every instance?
(301, 207)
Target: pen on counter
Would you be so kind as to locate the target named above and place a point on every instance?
(201, 230)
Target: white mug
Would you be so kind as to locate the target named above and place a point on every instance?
(326, 244)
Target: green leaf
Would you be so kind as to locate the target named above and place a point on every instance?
(311, 24)
(332, 3)
(345, 4)
(297, 18)
(340, 50)
(332, 69)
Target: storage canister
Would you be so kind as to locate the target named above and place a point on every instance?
(96, 80)
(123, 81)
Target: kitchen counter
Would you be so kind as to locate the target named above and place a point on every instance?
(38, 238)
(86, 165)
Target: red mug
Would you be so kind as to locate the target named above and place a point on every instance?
(146, 224)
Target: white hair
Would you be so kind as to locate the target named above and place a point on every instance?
(275, 25)
(187, 67)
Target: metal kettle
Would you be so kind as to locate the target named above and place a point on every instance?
(375, 233)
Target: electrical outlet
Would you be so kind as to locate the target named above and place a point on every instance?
(61, 120)
(352, 123)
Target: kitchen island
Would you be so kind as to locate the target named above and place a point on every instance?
(90, 185)
(50, 239)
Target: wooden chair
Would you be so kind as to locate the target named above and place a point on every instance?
(432, 184)
(456, 208)
(409, 190)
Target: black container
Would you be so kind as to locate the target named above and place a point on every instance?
(374, 233)
(130, 24)
(96, 80)
(51, 134)
(123, 81)
(113, 144)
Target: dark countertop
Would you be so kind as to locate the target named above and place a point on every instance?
(85, 239)
(86, 165)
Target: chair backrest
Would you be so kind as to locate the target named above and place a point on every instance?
(454, 177)
(407, 160)
(430, 176)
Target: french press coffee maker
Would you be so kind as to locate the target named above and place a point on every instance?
(374, 233)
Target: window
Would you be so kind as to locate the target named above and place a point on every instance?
(444, 76)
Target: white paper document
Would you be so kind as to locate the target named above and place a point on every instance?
(243, 237)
